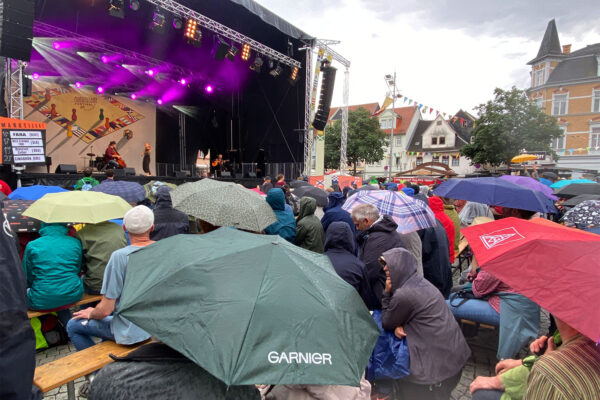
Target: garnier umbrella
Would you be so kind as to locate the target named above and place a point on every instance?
(576, 189)
(223, 204)
(495, 192)
(554, 266)
(250, 309)
(78, 206)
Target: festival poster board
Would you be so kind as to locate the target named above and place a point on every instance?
(23, 142)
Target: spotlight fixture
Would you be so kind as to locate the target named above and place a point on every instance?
(294, 75)
(150, 72)
(245, 52)
(134, 5)
(220, 49)
(275, 72)
(208, 89)
(104, 59)
(183, 81)
(78, 85)
(56, 45)
(231, 53)
(133, 96)
(159, 102)
(256, 64)
(193, 33)
(158, 21)
(100, 89)
(116, 8)
(35, 75)
(177, 23)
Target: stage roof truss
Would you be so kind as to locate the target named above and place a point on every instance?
(207, 23)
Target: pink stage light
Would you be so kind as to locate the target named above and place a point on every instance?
(35, 75)
(56, 45)
(183, 81)
(208, 89)
(100, 89)
(159, 102)
(104, 59)
(78, 85)
(133, 96)
(150, 72)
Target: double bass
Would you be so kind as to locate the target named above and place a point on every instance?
(119, 160)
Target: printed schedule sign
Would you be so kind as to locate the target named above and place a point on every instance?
(23, 142)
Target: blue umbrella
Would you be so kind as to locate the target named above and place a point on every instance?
(546, 182)
(34, 192)
(496, 192)
(131, 192)
(565, 182)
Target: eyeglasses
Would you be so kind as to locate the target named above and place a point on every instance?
(382, 261)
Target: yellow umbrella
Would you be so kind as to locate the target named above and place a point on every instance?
(521, 158)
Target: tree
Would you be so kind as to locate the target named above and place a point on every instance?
(365, 140)
(507, 125)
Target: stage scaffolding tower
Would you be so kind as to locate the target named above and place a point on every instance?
(14, 87)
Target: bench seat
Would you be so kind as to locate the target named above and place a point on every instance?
(85, 299)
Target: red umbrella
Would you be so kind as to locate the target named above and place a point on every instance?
(554, 266)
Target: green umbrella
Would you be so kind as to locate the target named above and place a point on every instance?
(250, 309)
(152, 186)
(223, 204)
(78, 206)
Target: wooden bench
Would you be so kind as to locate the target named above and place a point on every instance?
(65, 370)
(86, 299)
(477, 324)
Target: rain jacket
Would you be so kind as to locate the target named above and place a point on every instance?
(86, 180)
(52, 264)
(472, 210)
(309, 232)
(286, 224)
(412, 241)
(380, 237)
(438, 349)
(436, 262)
(333, 212)
(451, 212)
(340, 247)
(437, 206)
(167, 221)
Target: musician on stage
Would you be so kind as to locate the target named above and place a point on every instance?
(111, 156)
(218, 165)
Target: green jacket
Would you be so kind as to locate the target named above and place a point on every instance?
(52, 264)
(86, 179)
(98, 241)
(451, 212)
(309, 231)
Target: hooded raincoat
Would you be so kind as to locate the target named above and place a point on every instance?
(52, 264)
(436, 262)
(437, 206)
(340, 247)
(309, 232)
(167, 221)
(286, 224)
(334, 212)
(472, 210)
(437, 347)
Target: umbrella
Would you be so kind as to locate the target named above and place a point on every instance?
(131, 192)
(78, 206)
(311, 191)
(572, 202)
(550, 175)
(368, 187)
(554, 266)
(297, 184)
(546, 182)
(13, 209)
(566, 182)
(34, 192)
(521, 158)
(576, 189)
(495, 192)
(223, 204)
(152, 186)
(411, 215)
(530, 183)
(250, 308)
(256, 190)
(585, 214)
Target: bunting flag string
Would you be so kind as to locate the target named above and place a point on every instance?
(427, 109)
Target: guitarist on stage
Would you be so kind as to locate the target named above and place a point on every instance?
(218, 165)
(112, 158)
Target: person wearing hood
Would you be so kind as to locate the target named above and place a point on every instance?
(334, 212)
(309, 232)
(418, 194)
(52, 264)
(451, 212)
(436, 257)
(167, 221)
(472, 210)
(377, 234)
(413, 308)
(437, 206)
(285, 226)
(340, 247)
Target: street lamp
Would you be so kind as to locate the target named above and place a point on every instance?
(390, 81)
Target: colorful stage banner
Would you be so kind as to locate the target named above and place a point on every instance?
(317, 180)
(346, 181)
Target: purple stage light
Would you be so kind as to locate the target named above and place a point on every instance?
(208, 89)
(35, 75)
(104, 59)
(56, 45)
(159, 102)
(183, 81)
(100, 89)
(133, 96)
(150, 72)
(78, 85)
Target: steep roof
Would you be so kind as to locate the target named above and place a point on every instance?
(463, 135)
(575, 69)
(417, 139)
(550, 43)
(406, 113)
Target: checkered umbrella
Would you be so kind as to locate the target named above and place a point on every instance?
(131, 192)
(411, 215)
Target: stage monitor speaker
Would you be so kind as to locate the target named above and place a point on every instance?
(225, 174)
(66, 169)
(129, 171)
(119, 172)
(16, 28)
(251, 174)
(322, 114)
(181, 174)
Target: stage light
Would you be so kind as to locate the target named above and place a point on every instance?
(56, 46)
(177, 23)
(193, 33)
(134, 5)
(116, 8)
(294, 75)
(232, 52)
(133, 96)
(208, 89)
(100, 89)
(275, 72)
(150, 72)
(245, 52)
(159, 102)
(78, 85)
(158, 21)
(35, 75)
(220, 49)
(104, 59)
(183, 81)
(256, 64)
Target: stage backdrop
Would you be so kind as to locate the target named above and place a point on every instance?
(80, 121)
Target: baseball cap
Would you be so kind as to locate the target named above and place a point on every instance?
(138, 220)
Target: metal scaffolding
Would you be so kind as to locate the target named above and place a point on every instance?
(307, 114)
(14, 87)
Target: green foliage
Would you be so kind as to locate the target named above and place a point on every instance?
(365, 140)
(507, 125)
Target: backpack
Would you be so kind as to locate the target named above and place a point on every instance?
(86, 185)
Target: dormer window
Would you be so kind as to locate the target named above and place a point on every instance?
(441, 140)
(434, 140)
(538, 77)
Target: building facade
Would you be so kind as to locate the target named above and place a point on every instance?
(566, 85)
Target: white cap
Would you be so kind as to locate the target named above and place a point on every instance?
(138, 220)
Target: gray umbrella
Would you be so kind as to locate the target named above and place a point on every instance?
(312, 191)
(297, 184)
(572, 202)
(223, 204)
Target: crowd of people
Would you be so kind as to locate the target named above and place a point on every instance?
(408, 277)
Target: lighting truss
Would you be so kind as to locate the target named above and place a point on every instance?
(185, 12)
(14, 79)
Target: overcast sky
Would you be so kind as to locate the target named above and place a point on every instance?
(446, 54)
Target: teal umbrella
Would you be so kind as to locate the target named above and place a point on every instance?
(250, 309)
(566, 182)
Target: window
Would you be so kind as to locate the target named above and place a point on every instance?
(438, 123)
(435, 158)
(559, 104)
(539, 102)
(434, 140)
(397, 162)
(538, 77)
(596, 101)
(385, 124)
(419, 160)
(595, 137)
(559, 143)
(455, 161)
(442, 140)
(445, 160)
(398, 142)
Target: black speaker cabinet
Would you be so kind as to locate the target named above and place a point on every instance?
(322, 114)
(181, 174)
(225, 174)
(66, 169)
(16, 28)
(119, 172)
(129, 171)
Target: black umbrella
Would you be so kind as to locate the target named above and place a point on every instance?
(311, 191)
(368, 187)
(14, 215)
(297, 184)
(576, 189)
(581, 198)
(550, 175)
